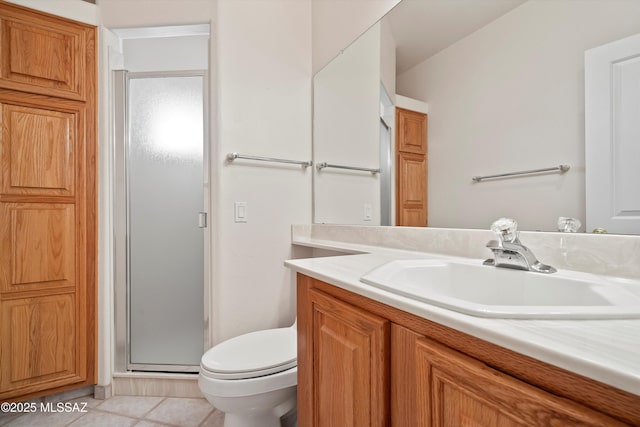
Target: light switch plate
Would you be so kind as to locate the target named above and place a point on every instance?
(368, 211)
(241, 213)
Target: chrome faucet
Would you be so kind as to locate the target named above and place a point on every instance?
(509, 252)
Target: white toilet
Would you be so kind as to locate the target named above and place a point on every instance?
(252, 378)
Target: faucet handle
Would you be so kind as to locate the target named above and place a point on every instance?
(506, 229)
(568, 225)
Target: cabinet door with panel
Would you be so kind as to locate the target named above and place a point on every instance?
(404, 398)
(411, 131)
(46, 291)
(457, 390)
(411, 190)
(45, 55)
(411, 168)
(47, 203)
(345, 354)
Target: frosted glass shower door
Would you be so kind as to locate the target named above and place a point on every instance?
(165, 181)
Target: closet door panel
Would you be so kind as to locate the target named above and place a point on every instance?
(38, 149)
(39, 343)
(38, 246)
(41, 54)
(48, 232)
(411, 190)
(412, 131)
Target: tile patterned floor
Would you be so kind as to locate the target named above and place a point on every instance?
(121, 411)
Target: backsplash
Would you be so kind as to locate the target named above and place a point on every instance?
(615, 255)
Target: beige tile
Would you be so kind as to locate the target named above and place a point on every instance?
(45, 419)
(103, 419)
(182, 412)
(132, 406)
(6, 417)
(147, 423)
(216, 419)
(90, 401)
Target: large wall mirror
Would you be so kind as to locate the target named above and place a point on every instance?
(503, 86)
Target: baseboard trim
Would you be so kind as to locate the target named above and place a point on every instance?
(102, 392)
(153, 384)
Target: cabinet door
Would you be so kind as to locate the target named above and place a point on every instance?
(43, 54)
(46, 288)
(47, 204)
(404, 399)
(40, 344)
(411, 131)
(39, 148)
(460, 391)
(411, 190)
(347, 362)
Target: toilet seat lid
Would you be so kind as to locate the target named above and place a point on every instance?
(253, 355)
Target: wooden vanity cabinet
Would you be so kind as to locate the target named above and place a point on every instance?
(362, 363)
(346, 364)
(457, 390)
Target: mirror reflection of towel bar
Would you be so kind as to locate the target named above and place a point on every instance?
(232, 156)
(561, 169)
(321, 166)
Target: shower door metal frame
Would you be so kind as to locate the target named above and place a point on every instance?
(121, 219)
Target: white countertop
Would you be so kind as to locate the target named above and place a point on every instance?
(604, 350)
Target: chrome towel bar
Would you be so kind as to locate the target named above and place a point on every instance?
(561, 169)
(321, 166)
(232, 156)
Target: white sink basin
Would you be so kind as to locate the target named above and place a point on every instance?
(487, 291)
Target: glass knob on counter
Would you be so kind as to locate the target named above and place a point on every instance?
(568, 224)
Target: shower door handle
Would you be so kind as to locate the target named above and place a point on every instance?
(202, 220)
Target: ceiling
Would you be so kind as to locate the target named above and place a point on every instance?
(422, 28)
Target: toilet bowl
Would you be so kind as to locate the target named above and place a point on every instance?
(252, 378)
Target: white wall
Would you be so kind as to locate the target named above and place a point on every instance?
(185, 53)
(510, 97)
(346, 132)
(411, 104)
(150, 13)
(264, 109)
(260, 102)
(388, 59)
(337, 23)
(77, 10)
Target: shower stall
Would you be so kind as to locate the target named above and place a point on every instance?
(161, 220)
